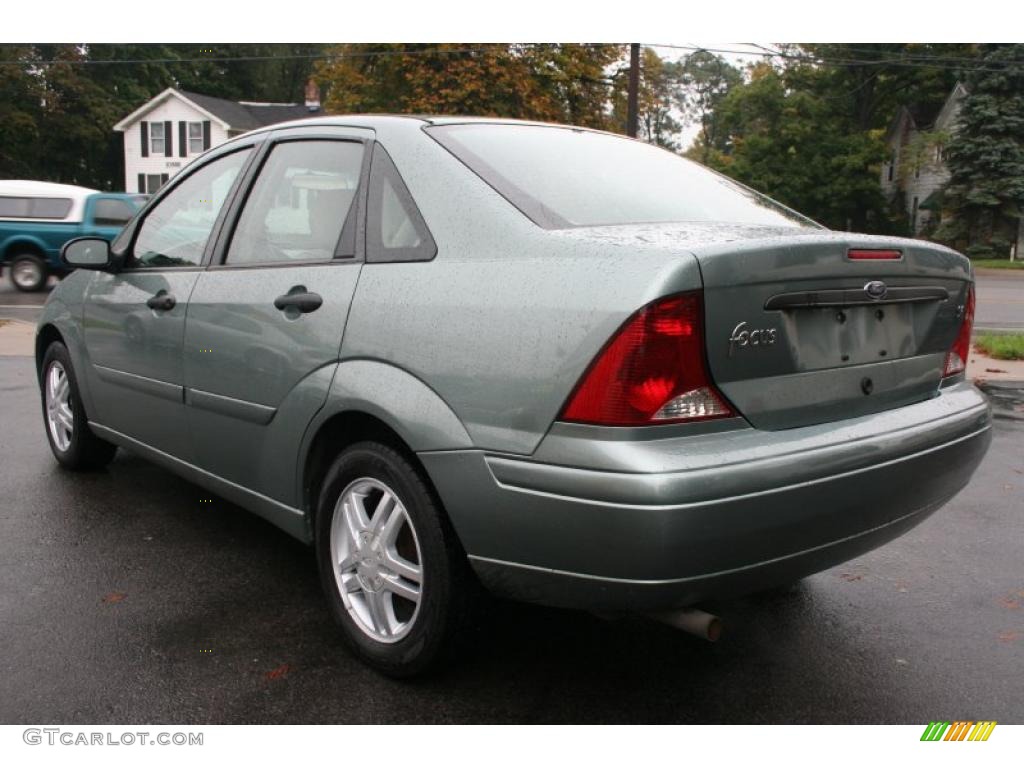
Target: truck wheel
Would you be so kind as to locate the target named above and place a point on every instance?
(28, 272)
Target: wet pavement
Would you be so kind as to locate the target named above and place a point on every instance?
(125, 597)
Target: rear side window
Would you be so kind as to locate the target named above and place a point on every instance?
(34, 207)
(563, 177)
(112, 213)
(395, 229)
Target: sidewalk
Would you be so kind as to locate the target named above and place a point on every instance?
(981, 367)
(17, 338)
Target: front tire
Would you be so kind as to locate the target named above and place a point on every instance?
(67, 428)
(28, 272)
(395, 576)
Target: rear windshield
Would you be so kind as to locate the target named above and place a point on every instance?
(563, 177)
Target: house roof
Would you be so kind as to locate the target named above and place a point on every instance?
(232, 115)
(245, 116)
(928, 116)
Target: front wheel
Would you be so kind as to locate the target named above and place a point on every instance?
(28, 272)
(394, 574)
(67, 429)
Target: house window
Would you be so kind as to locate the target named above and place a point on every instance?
(195, 138)
(156, 139)
(892, 166)
(913, 217)
(154, 181)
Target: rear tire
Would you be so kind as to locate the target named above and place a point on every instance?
(394, 573)
(28, 272)
(67, 427)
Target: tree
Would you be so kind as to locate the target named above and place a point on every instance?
(658, 99)
(562, 83)
(984, 199)
(810, 130)
(706, 81)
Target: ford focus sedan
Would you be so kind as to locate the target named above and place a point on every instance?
(555, 364)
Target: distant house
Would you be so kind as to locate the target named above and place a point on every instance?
(169, 130)
(915, 172)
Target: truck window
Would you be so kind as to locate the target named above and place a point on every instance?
(112, 213)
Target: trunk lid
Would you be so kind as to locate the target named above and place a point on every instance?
(798, 333)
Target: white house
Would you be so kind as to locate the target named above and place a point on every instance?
(169, 130)
(915, 172)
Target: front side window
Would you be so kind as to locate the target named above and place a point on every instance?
(561, 177)
(301, 207)
(195, 138)
(156, 139)
(175, 232)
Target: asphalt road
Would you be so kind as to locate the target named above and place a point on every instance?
(1000, 300)
(125, 598)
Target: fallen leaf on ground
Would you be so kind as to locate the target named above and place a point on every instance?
(115, 597)
(1008, 636)
(1009, 602)
(851, 576)
(995, 370)
(278, 673)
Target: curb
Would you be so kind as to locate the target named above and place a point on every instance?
(1006, 397)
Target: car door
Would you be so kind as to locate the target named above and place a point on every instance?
(134, 319)
(265, 321)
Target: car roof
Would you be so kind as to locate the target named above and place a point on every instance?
(376, 120)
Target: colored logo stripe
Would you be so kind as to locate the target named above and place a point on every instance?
(959, 730)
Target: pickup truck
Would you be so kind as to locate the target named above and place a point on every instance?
(37, 218)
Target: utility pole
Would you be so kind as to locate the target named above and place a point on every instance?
(632, 115)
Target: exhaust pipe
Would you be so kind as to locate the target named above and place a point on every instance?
(699, 623)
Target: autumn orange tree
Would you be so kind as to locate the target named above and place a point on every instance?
(557, 82)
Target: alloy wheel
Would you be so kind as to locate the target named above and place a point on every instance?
(26, 274)
(59, 416)
(376, 560)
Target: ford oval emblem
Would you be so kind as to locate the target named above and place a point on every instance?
(876, 289)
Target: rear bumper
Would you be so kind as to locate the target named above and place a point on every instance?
(661, 523)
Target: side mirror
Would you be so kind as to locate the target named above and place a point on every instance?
(86, 253)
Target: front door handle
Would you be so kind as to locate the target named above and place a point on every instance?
(163, 301)
(303, 302)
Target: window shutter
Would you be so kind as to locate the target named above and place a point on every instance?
(168, 148)
(163, 179)
(182, 138)
(142, 183)
(144, 126)
(206, 135)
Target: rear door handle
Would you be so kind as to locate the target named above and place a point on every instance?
(303, 302)
(163, 301)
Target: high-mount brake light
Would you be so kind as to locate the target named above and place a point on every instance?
(653, 371)
(873, 254)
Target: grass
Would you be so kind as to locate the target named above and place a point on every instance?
(1003, 347)
(998, 263)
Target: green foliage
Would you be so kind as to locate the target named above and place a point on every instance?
(1002, 347)
(997, 264)
(985, 195)
(56, 118)
(811, 131)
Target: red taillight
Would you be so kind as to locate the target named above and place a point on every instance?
(651, 372)
(956, 358)
(873, 254)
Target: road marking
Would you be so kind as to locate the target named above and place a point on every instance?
(22, 306)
